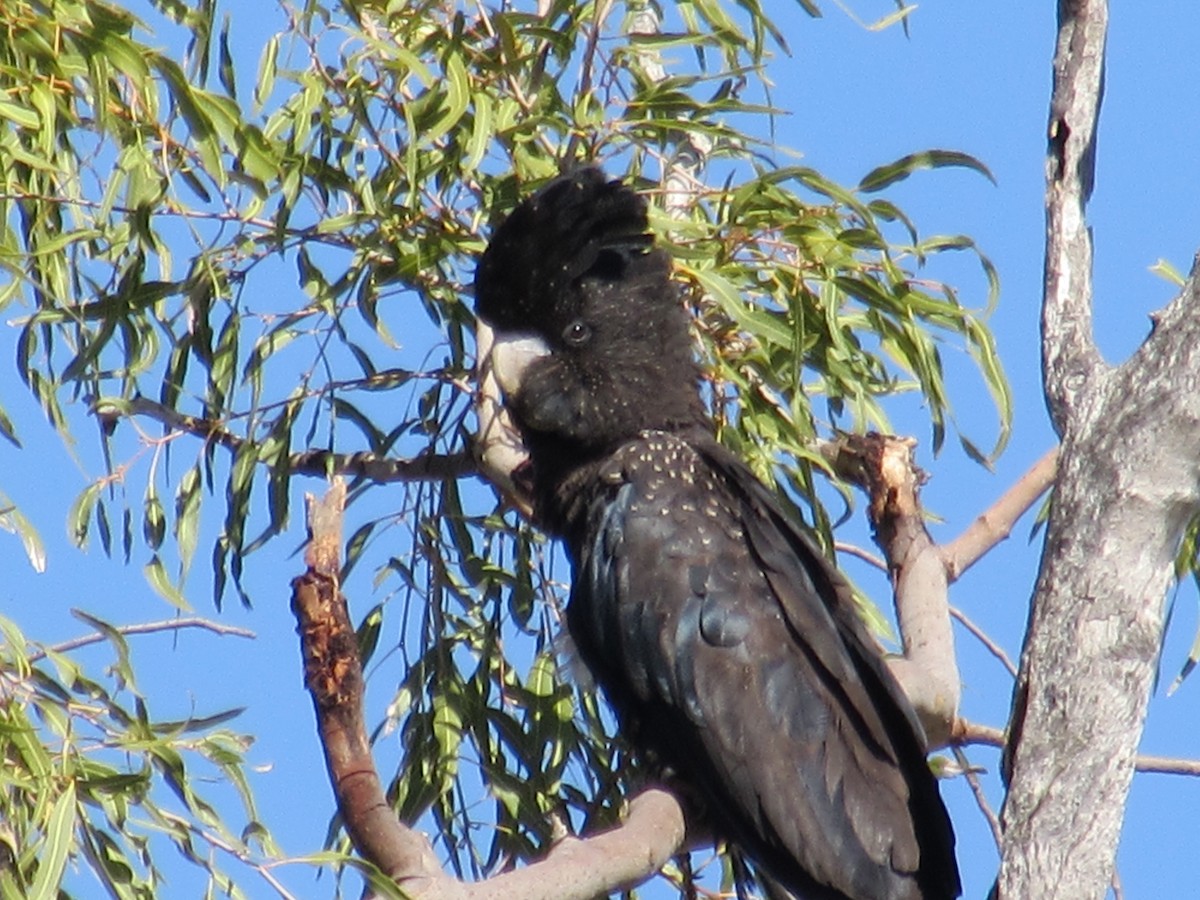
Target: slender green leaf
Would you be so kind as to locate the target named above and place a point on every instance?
(885, 176)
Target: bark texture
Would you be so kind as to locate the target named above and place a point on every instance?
(883, 466)
(1128, 482)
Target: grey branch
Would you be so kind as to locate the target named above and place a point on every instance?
(967, 733)
(179, 624)
(1069, 357)
(921, 570)
(981, 800)
(614, 860)
(928, 671)
(995, 524)
(980, 635)
(859, 553)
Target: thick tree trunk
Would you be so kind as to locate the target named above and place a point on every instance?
(1089, 660)
(1129, 479)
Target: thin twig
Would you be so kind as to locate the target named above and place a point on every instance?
(995, 649)
(1165, 765)
(981, 799)
(857, 551)
(144, 628)
(966, 733)
(241, 855)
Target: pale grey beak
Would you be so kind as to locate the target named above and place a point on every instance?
(512, 354)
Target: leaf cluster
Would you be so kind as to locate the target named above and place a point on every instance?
(92, 780)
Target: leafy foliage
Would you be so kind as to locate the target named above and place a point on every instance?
(90, 777)
(155, 203)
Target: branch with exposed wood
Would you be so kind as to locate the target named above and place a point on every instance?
(574, 869)
(921, 571)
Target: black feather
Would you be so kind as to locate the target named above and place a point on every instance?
(724, 638)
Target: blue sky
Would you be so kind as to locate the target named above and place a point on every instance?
(971, 77)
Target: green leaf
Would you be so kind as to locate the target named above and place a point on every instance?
(81, 512)
(156, 575)
(12, 519)
(154, 519)
(56, 847)
(19, 115)
(458, 97)
(884, 176)
(267, 71)
(368, 633)
(1168, 273)
(187, 517)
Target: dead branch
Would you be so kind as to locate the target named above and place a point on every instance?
(883, 466)
(333, 675)
(574, 869)
(322, 463)
(996, 523)
(921, 570)
(1071, 364)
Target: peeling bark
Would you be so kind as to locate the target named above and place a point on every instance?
(928, 671)
(333, 676)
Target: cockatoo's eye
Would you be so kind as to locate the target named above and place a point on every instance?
(577, 333)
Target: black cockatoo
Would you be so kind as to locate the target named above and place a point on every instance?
(724, 638)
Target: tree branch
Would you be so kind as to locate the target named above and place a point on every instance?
(574, 869)
(921, 571)
(981, 800)
(621, 858)
(1128, 483)
(333, 675)
(858, 552)
(996, 523)
(1070, 360)
(321, 463)
(995, 649)
(96, 637)
(928, 672)
(973, 733)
